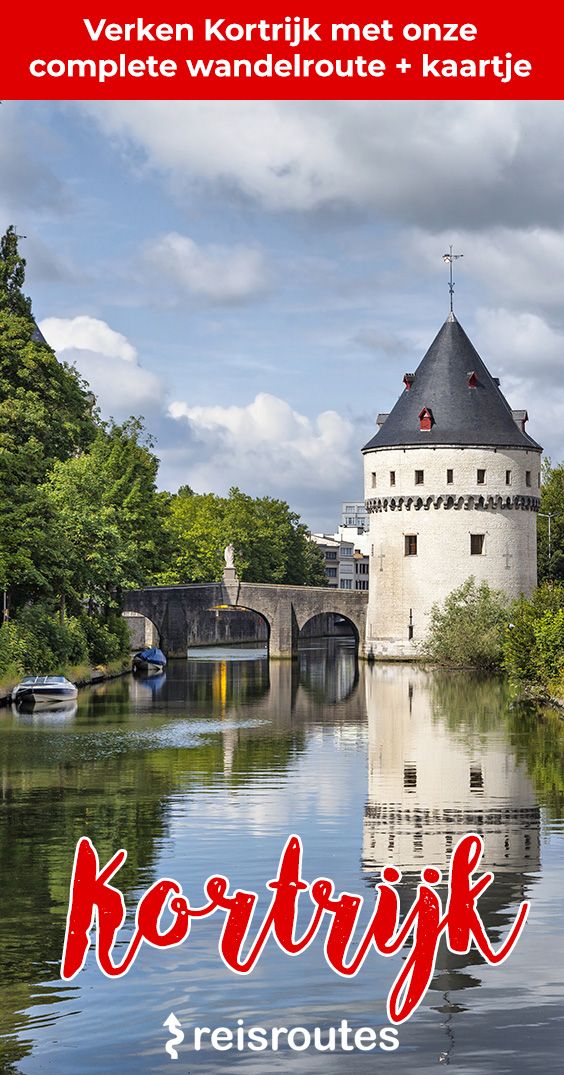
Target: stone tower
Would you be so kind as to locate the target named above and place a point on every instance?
(451, 483)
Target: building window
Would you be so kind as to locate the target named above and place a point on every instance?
(410, 777)
(508, 477)
(411, 544)
(539, 480)
(331, 572)
(477, 544)
(346, 584)
(346, 550)
(331, 554)
(419, 476)
(527, 477)
(373, 479)
(450, 477)
(481, 477)
(392, 477)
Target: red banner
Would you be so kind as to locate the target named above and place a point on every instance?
(426, 51)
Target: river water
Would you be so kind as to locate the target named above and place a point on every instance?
(209, 769)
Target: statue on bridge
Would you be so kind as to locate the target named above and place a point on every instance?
(229, 573)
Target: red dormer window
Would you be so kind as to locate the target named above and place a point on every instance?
(408, 379)
(472, 379)
(426, 418)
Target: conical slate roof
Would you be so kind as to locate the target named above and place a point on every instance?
(460, 414)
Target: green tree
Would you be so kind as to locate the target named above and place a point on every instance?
(111, 518)
(467, 630)
(45, 414)
(551, 561)
(12, 275)
(533, 647)
(271, 544)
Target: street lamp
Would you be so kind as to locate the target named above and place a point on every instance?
(550, 515)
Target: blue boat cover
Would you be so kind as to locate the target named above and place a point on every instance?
(152, 655)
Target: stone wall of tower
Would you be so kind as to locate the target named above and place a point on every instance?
(442, 516)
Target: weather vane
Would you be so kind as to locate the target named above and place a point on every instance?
(448, 259)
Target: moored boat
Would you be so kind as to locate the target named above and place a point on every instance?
(149, 660)
(34, 691)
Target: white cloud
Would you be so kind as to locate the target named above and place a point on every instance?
(108, 361)
(528, 354)
(266, 446)
(84, 333)
(474, 162)
(218, 273)
(517, 265)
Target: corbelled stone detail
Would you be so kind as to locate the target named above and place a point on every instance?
(446, 500)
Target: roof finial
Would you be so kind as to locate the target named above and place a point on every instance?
(450, 257)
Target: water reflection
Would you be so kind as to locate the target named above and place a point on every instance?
(212, 766)
(436, 771)
(440, 764)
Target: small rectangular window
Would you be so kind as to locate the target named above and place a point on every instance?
(373, 479)
(331, 572)
(527, 477)
(450, 477)
(392, 477)
(481, 477)
(419, 477)
(477, 544)
(539, 480)
(508, 477)
(410, 776)
(411, 544)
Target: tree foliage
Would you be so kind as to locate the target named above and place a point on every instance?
(552, 504)
(271, 544)
(466, 631)
(110, 516)
(534, 641)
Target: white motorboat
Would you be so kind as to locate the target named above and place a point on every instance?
(43, 691)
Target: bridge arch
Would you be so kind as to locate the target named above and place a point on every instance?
(246, 622)
(329, 625)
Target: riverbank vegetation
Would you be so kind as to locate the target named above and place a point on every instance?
(477, 627)
(82, 517)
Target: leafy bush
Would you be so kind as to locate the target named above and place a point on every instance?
(37, 643)
(467, 630)
(106, 641)
(533, 649)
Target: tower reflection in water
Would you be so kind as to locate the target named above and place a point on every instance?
(440, 764)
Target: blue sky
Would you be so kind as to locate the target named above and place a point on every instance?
(256, 277)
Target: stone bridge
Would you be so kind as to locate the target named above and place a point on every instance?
(285, 610)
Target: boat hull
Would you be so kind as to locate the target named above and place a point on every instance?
(35, 697)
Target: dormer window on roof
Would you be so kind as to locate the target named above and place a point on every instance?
(520, 418)
(426, 419)
(408, 379)
(472, 379)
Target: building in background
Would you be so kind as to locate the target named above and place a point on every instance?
(339, 560)
(354, 514)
